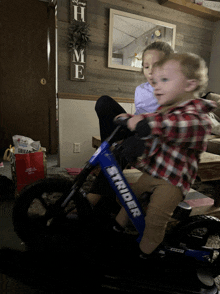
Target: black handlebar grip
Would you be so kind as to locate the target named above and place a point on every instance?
(121, 121)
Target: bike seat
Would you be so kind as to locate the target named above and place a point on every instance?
(181, 212)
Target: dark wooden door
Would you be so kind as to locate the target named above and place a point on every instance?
(28, 101)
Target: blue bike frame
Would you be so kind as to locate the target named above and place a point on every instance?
(104, 157)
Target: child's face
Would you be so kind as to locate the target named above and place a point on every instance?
(169, 82)
(150, 57)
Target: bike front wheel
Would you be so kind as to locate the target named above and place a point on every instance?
(30, 213)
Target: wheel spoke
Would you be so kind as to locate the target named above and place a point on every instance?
(43, 202)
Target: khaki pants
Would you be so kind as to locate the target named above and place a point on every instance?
(163, 201)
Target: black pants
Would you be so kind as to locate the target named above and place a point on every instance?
(107, 109)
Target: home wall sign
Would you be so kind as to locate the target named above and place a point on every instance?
(78, 39)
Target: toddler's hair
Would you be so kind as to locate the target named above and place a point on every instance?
(158, 46)
(193, 67)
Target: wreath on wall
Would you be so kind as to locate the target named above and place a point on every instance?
(78, 36)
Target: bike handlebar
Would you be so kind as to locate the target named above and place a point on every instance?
(121, 121)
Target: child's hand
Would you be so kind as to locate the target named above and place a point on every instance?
(132, 122)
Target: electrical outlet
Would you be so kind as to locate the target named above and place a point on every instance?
(76, 148)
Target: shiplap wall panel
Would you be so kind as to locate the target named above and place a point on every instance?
(97, 85)
(193, 34)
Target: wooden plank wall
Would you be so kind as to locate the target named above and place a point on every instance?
(194, 34)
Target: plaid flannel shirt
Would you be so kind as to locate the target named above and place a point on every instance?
(177, 139)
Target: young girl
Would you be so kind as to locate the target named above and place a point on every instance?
(145, 100)
(174, 138)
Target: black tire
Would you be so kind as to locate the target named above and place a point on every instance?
(29, 220)
(195, 232)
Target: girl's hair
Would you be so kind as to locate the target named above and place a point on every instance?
(192, 66)
(159, 46)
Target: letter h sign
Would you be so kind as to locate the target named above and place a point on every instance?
(78, 13)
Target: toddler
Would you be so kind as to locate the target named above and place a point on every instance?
(174, 138)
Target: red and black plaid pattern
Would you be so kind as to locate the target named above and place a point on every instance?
(176, 141)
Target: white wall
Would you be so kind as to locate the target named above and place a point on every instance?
(214, 68)
(78, 122)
